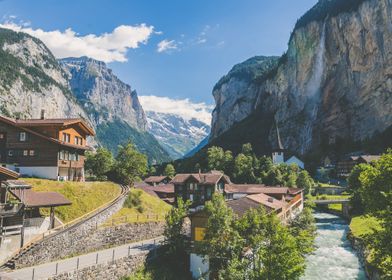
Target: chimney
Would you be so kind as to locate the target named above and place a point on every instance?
(270, 199)
(42, 114)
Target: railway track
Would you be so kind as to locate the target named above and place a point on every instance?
(10, 263)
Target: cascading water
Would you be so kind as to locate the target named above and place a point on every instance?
(313, 91)
(334, 258)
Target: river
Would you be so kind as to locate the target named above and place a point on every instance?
(334, 258)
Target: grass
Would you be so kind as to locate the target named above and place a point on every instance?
(148, 208)
(324, 185)
(85, 196)
(362, 225)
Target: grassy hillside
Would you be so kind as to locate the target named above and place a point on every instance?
(85, 196)
(118, 132)
(148, 208)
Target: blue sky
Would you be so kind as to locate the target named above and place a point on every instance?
(200, 40)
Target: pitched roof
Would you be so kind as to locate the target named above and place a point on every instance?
(155, 179)
(267, 201)
(166, 188)
(55, 122)
(6, 174)
(209, 178)
(370, 158)
(40, 199)
(242, 205)
(51, 139)
(254, 189)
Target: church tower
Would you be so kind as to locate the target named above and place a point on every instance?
(277, 148)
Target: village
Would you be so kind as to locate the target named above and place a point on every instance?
(54, 150)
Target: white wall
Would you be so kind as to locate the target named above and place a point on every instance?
(277, 157)
(46, 172)
(198, 267)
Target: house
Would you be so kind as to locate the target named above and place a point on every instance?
(199, 187)
(278, 151)
(20, 208)
(157, 180)
(164, 192)
(45, 148)
(285, 210)
(344, 167)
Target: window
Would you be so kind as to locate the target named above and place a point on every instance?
(77, 157)
(25, 153)
(32, 153)
(199, 233)
(2, 135)
(10, 153)
(61, 155)
(78, 140)
(191, 197)
(66, 155)
(66, 137)
(22, 136)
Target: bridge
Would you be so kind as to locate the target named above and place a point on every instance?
(343, 202)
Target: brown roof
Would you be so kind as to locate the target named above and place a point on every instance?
(40, 199)
(254, 189)
(6, 174)
(155, 179)
(267, 201)
(53, 140)
(210, 178)
(55, 122)
(242, 205)
(166, 188)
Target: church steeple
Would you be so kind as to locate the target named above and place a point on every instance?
(277, 149)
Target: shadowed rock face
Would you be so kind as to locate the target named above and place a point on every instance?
(335, 81)
(102, 94)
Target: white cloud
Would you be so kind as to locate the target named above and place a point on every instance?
(107, 47)
(166, 46)
(181, 107)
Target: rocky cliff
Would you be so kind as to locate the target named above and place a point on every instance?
(333, 84)
(102, 94)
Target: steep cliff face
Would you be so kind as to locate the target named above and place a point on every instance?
(102, 94)
(334, 82)
(32, 80)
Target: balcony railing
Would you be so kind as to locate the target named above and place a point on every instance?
(10, 209)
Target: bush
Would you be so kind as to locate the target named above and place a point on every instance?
(134, 201)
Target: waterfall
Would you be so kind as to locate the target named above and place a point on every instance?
(313, 91)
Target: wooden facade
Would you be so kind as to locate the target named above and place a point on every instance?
(51, 149)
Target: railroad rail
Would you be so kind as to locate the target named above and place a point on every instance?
(63, 228)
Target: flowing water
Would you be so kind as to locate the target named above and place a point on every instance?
(334, 258)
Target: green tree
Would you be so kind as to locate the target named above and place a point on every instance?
(243, 169)
(130, 164)
(355, 186)
(218, 159)
(152, 170)
(274, 177)
(304, 181)
(174, 228)
(221, 241)
(303, 228)
(169, 170)
(99, 163)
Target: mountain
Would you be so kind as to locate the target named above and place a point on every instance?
(331, 92)
(32, 79)
(176, 134)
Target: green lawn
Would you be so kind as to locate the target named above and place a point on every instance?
(151, 208)
(362, 225)
(85, 196)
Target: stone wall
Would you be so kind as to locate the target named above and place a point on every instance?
(112, 270)
(65, 243)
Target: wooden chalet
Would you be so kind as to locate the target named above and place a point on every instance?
(344, 167)
(199, 187)
(157, 180)
(45, 148)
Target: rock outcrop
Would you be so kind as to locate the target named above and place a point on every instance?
(333, 83)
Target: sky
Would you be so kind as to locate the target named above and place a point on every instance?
(173, 49)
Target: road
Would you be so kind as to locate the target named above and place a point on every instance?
(68, 265)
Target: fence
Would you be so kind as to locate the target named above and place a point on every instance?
(135, 218)
(76, 263)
